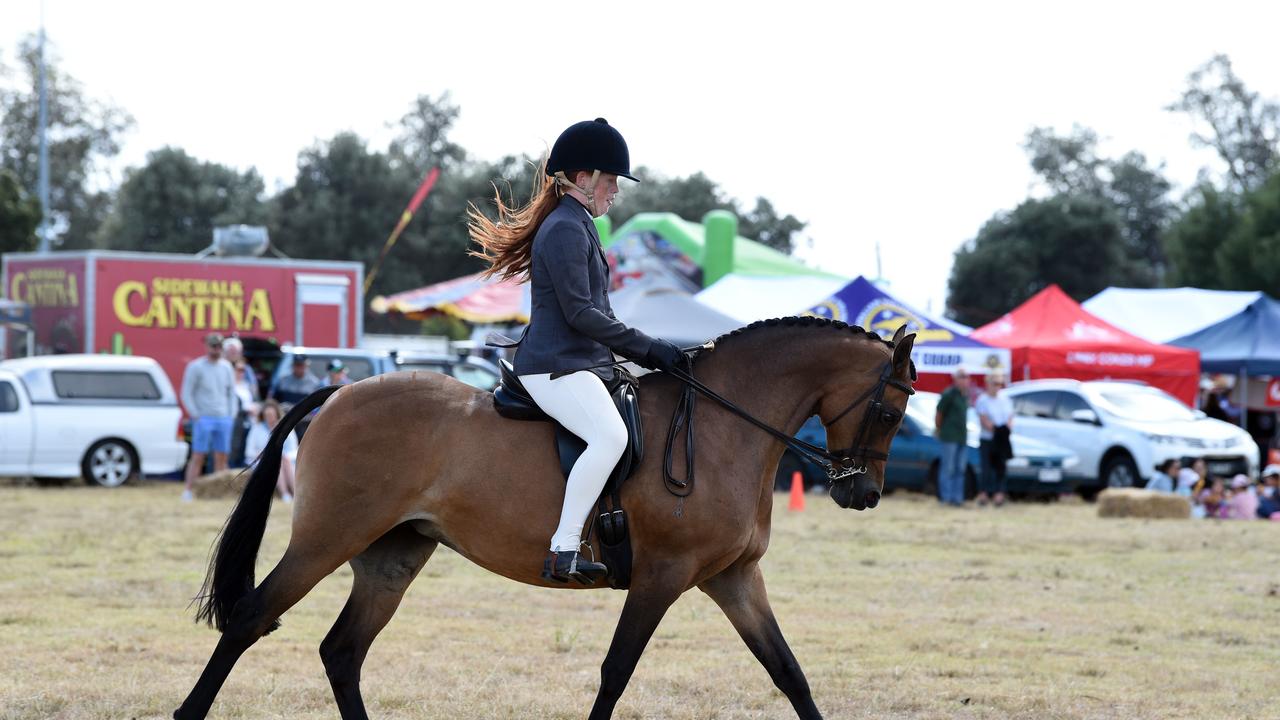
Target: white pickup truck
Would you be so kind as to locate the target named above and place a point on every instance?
(105, 418)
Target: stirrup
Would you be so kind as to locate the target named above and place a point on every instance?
(565, 565)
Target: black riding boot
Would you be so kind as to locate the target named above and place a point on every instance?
(565, 565)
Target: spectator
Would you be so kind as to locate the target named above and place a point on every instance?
(1269, 495)
(1190, 478)
(1218, 404)
(1243, 504)
(338, 373)
(1213, 498)
(995, 412)
(246, 390)
(208, 396)
(953, 435)
(298, 384)
(1167, 472)
(256, 442)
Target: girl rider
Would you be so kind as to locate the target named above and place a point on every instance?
(552, 241)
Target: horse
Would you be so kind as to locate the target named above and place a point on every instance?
(395, 465)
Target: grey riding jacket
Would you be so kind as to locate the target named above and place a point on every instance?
(571, 326)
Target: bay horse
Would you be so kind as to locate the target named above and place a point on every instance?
(395, 465)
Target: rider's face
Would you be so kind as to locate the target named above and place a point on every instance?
(605, 189)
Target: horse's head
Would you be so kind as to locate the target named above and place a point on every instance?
(862, 413)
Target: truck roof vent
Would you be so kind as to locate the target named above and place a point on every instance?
(240, 240)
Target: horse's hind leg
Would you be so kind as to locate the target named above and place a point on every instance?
(255, 615)
(382, 574)
(740, 593)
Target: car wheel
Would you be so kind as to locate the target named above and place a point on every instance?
(1118, 471)
(109, 463)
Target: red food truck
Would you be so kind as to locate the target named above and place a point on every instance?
(161, 305)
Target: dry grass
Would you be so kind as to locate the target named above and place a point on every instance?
(908, 611)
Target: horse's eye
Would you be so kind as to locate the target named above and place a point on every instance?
(889, 417)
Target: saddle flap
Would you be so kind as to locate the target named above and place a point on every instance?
(510, 398)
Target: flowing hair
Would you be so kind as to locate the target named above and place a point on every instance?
(507, 243)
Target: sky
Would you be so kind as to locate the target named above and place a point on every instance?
(898, 126)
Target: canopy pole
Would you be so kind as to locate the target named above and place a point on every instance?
(1243, 384)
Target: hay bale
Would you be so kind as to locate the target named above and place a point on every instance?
(223, 484)
(1135, 503)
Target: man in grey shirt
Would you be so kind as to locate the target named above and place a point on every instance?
(208, 395)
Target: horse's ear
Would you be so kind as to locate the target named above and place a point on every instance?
(902, 354)
(901, 333)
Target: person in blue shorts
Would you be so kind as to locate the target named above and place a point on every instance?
(208, 396)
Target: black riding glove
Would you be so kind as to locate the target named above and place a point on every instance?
(663, 356)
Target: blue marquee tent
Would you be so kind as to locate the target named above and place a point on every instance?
(1247, 343)
(939, 349)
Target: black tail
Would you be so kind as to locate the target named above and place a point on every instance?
(230, 573)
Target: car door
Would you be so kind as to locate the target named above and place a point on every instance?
(1083, 438)
(910, 455)
(15, 429)
(1033, 414)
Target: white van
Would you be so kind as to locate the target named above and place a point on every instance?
(105, 418)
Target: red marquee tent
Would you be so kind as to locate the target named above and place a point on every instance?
(1051, 336)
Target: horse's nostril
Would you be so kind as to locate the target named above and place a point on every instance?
(873, 499)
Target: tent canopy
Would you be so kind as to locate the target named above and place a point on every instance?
(469, 297)
(1052, 336)
(939, 350)
(1163, 314)
(1247, 342)
(749, 298)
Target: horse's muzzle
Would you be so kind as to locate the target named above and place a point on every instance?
(857, 492)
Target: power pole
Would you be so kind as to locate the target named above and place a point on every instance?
(44, 147)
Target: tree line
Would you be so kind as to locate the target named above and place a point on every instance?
(1111, 221)
(343, 202)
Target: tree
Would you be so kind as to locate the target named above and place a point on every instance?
(1072, 240)
(82, 135)
(173, 202)
(1193, 240)
(1236, 123)
(1249, 257)
(19, 216)
(694, 196)
(1137, 192)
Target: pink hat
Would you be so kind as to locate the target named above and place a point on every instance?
(1240, 481)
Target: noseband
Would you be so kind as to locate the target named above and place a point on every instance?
(837, 465)
(853, 460)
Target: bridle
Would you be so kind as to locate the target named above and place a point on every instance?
(837, 464)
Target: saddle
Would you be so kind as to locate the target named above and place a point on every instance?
(513, 402)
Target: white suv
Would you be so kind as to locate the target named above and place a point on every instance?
(1123, 430)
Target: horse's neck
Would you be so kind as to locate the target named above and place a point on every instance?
(778, 378)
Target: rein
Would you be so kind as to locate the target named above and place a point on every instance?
(837, 465)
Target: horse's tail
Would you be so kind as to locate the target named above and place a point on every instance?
(230, 574)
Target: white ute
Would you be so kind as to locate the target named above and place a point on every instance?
(105, 418)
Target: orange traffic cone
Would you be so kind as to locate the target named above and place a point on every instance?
(797, 492)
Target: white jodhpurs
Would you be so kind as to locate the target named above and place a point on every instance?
(582, 405)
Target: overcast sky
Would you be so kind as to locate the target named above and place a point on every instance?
(899, 125)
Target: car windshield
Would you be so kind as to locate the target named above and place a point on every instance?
(1144, 404)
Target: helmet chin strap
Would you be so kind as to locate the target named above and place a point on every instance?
(563, 182)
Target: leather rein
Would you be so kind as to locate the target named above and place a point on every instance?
(836, 464)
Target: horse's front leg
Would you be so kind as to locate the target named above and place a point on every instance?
(647, 601)
(740, 593)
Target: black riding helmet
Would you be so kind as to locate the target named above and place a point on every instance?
(591, 145)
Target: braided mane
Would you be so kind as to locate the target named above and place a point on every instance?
(804, 321)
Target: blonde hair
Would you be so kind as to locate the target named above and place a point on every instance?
(507, 244)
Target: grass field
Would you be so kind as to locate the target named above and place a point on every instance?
(907, 611)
